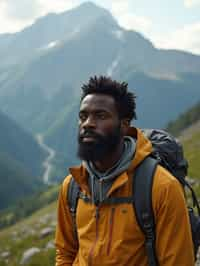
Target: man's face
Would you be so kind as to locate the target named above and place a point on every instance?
(99, 127)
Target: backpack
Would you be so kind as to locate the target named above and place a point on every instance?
(168, 152)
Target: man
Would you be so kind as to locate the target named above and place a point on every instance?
(111, 150)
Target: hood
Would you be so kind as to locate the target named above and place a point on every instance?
(143, 149)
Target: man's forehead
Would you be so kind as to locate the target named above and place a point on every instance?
(102, 101)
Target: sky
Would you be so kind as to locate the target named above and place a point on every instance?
(172, 24)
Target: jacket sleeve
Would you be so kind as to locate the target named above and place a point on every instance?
(174, 246)
(66, 245)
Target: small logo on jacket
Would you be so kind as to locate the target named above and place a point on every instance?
(124, 210)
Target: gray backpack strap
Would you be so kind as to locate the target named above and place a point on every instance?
(72, 198)
(142, 192)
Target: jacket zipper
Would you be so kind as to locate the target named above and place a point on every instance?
(111, 230)
(100, 190)
(91, 253)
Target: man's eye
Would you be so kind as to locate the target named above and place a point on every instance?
(101, 116)
(82, 117)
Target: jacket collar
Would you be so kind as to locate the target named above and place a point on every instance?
(143, 149)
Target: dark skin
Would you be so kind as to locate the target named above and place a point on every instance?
(98, 113)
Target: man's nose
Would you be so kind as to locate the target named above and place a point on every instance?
(89, 122)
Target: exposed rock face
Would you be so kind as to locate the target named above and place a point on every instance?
(5, 254)
(47, 219)
(29, 254)
(46, 231)
(50, 245)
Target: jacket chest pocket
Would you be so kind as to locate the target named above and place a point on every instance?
(125, 226)
(116, 223)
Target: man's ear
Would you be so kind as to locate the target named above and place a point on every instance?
(125, 124)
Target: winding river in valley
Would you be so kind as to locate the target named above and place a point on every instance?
(47, 164)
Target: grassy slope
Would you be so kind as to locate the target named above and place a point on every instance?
(185, 120)
(187, 127)
(25, 235)
(27, 206)
(190, 138)
(191, 143)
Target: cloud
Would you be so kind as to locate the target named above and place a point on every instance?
(137, 23)
(21, 9)
(17, 14)
(186, 38)
(191, 3)
(121, 9)
(57, 5)
(8, 24)
(29, 9)
(120, 6)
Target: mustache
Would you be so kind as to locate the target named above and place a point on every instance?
(88, 133)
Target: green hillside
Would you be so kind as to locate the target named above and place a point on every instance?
(37, 232)
(20, 145)
(26, 206)
(21, 160)
(187, 127)
(35, 221)
(185, 120)
(62, 135)
(15, 181)
(191, 146)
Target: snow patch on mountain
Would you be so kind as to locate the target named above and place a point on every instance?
(50, 45)
(119, 34)
(56, 43)
(113, 66)
(75, 32)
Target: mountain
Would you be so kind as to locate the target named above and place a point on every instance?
(43, 66)
(21, 161)
(47, 32)
(21, 146)
(162, 100)
(62, 137)
(62, 50)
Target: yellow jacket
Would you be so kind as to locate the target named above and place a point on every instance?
(114, 238)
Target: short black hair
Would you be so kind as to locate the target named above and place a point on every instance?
(124, 99)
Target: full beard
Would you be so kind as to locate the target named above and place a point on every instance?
(101, 147)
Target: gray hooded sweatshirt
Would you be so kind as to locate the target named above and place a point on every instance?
(100, 182)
